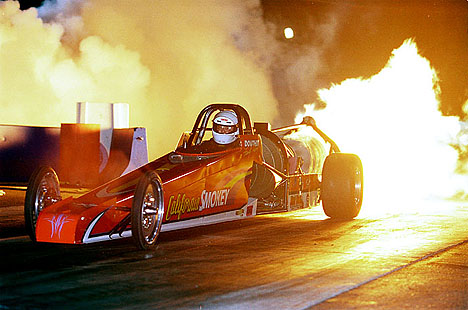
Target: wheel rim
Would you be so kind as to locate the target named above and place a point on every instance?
(357, 186)
(47, 194)
(151, 213)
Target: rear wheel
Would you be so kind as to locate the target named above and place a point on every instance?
(147, 210)
(342, 186)
(43, 191)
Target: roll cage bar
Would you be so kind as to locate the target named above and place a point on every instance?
(310, 121)
(200, 126)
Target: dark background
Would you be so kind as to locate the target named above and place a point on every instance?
(367, 31)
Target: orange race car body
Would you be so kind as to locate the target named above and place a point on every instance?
(185, 188)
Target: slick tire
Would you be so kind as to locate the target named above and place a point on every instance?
(342, 186)
(147, 211)
(43, 190)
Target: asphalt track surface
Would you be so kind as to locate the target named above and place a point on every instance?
(413, 259)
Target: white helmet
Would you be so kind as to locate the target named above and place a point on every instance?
(225, 129)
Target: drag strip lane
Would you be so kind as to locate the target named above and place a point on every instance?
(309, 291)
(294, 260)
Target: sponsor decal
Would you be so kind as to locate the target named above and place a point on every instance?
(57, 223)
(181, 205)
(251, 143)
(214, 199)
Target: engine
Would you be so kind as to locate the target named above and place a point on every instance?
(288, 152)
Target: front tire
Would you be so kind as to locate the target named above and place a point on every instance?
(342, 186)
(43, 191)
(147, 211)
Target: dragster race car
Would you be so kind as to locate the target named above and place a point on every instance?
(264, 172)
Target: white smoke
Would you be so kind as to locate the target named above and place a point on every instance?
(298, 67)
(65, 13)
(167, 59)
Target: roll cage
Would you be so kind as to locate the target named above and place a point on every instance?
(201, 124)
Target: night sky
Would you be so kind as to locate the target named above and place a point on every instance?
(26, 4)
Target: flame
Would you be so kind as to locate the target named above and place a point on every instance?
(392, 121)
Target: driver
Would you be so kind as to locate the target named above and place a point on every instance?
(225, 127)
(225, 134)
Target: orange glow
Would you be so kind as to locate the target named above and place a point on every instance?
(391, 120)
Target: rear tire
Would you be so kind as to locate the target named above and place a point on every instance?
(43, 191)
(342, 186)
(147, 211)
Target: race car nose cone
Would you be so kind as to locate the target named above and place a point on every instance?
(55, 226)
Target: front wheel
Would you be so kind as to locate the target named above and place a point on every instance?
(342, 186)
(43, 191)
(147, 210)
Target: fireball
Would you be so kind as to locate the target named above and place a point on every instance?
(392, 121)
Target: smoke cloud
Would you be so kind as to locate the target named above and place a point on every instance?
(167, 59)
(299, 68)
